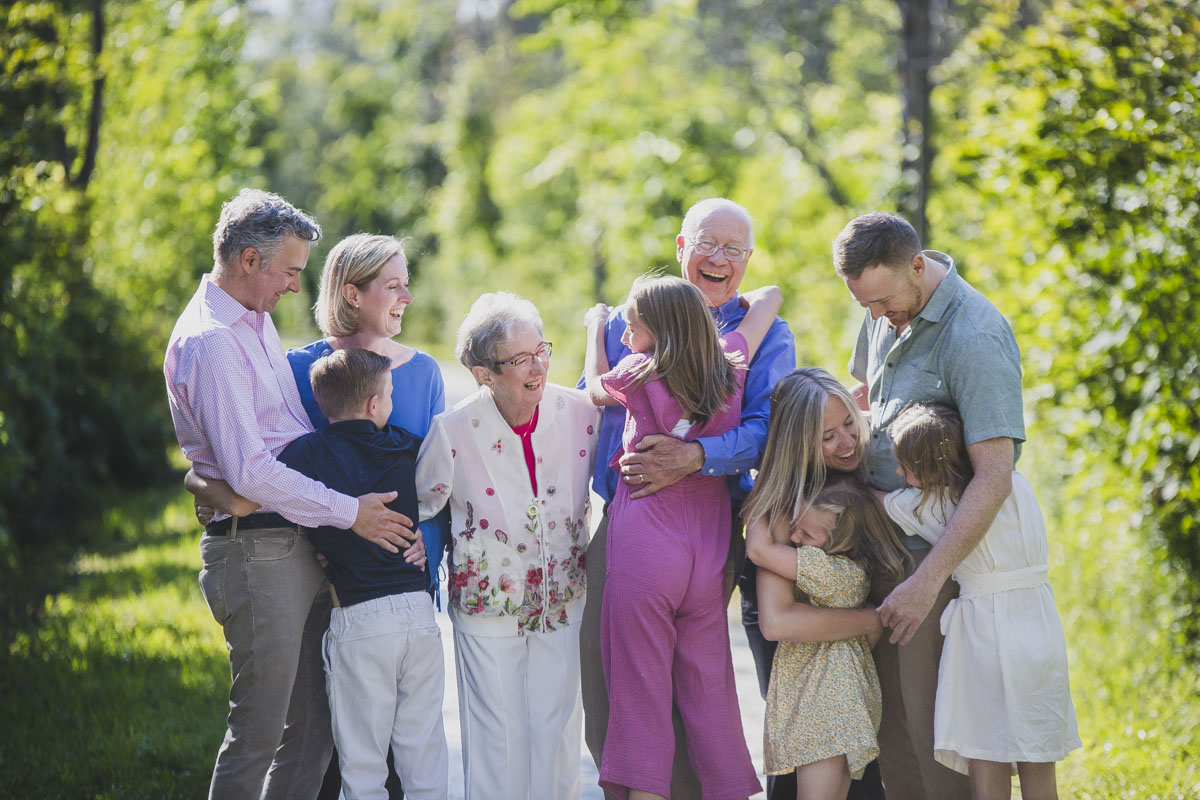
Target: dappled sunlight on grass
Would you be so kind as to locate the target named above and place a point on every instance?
(120, 691)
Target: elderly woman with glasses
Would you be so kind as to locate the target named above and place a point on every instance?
(513, 462)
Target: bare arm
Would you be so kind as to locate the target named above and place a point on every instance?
(216, 493)
(767, 553)
(781, 618)
(762, 305)
(595, 360)
(909, 603)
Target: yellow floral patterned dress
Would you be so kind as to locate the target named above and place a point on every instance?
(824, 699)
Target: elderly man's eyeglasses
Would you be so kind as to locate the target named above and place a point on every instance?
(707, 247)
(523, 359)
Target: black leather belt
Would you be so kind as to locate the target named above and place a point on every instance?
(250, 523)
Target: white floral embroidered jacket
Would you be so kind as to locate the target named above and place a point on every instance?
(514, 554)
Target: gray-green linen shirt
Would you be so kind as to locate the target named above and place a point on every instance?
(958, 350)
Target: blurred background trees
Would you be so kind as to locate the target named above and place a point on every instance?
(1069, 184)
(550, 148)
(119, 132)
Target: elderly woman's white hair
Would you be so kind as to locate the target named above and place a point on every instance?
(494, 318)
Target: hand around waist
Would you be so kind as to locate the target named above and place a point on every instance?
(389, 529)
(658, 462)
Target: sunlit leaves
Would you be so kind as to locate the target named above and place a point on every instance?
(97, 264)
(1078, 143)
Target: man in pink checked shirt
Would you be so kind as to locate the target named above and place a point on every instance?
(235, 406)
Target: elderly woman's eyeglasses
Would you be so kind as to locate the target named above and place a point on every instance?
(707, 247)
(523, 359)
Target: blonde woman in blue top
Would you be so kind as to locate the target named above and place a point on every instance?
(364, 294)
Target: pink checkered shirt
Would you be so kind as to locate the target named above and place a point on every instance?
(235, 407)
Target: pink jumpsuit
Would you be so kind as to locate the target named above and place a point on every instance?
(663, 628)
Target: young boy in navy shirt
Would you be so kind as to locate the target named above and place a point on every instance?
(383, 652)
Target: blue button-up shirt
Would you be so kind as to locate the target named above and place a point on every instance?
(737, 451)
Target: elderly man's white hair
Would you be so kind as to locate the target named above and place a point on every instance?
(705, 208)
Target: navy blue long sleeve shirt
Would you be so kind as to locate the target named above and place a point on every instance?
(356, 458)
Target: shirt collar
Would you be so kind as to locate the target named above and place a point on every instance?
(353, 427)
(728, 309)
(942, 296)
(225, 309)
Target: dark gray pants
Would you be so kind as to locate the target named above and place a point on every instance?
(272, 600)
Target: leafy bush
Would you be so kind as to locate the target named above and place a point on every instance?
(80, 412)
(111, 160)
(1073, 152)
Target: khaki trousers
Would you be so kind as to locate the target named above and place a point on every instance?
(684, 783)
(908, 678)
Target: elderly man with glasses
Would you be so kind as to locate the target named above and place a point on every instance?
(713, 248)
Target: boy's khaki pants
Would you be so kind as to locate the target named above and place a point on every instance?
(386, 678)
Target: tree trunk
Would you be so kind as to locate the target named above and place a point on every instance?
(917, 56)
(599, 270)
(95, 113)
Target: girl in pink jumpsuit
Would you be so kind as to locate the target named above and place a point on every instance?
(664, 634)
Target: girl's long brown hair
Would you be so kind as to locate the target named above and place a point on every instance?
(687, 355)
(864, 532)
(929, 441)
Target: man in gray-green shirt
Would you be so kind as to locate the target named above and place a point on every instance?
(928, 337)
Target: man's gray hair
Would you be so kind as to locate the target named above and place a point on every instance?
(706, 208)
(494, 318)
(260, 220)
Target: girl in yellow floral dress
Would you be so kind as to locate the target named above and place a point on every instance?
(823, 703)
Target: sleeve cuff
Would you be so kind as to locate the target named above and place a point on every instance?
(345, 508)
(716, 462)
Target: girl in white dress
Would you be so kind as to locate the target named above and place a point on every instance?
(1003, 700)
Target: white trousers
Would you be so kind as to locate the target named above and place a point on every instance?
(385, 675)
(521, 715)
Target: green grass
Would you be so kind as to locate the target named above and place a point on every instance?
(1136, 696)
(119, 690)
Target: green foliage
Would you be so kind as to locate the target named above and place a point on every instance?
(568, 190)
(175, 144)
(68, 426)
(350, 131)
(104, 230)
(1137, 695)
(1075, 144)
